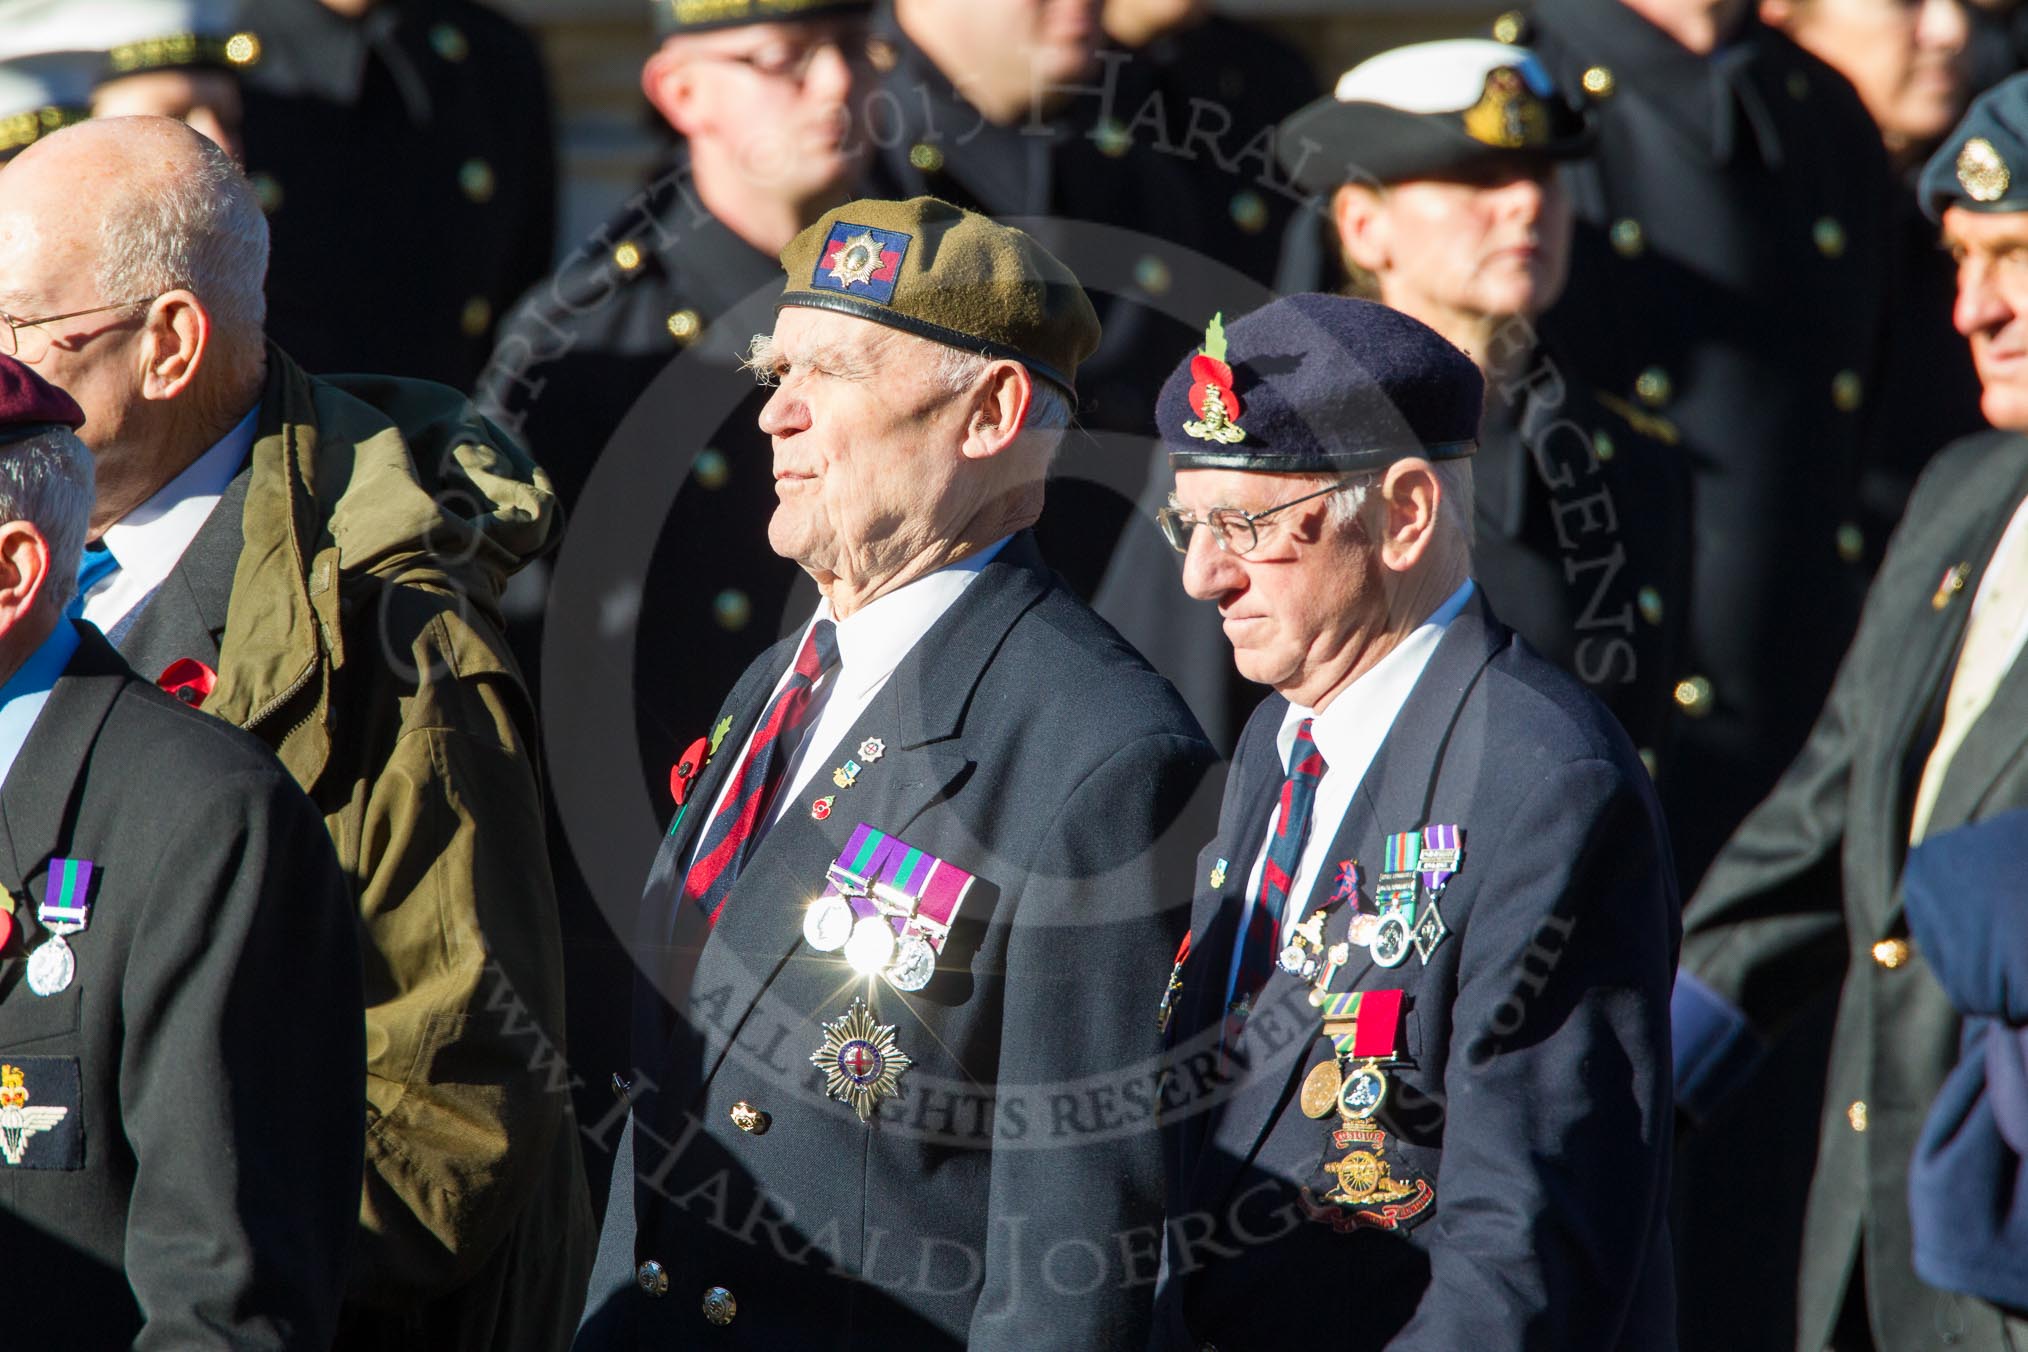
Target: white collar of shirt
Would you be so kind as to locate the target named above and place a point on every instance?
(27, 690)
(149, 540)
(872, 642)
(1348, 735)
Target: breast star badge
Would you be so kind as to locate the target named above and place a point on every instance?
(861, 1062)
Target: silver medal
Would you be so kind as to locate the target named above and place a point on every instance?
(827, 924)
(51, 966)
(870, 948)
(1391, 942)
(915, 962)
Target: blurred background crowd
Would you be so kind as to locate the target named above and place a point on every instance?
(569, 209)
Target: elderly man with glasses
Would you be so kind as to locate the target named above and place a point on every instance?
(893, 1088)
(1419, 1033)
(320, 562)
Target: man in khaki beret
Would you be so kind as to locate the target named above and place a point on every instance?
(887, 1087)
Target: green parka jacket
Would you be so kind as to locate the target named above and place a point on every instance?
(362, 642)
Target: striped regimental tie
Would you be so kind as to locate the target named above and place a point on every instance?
(743, 815)
(1260, 939)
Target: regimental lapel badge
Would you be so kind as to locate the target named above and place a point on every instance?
(1347, 888)
(20, 1120)
(1211, 393)
(861, 1061)
(889, 906)
(66, 909)
(1300, 956)
(846, 775)
(1217, 878)
(872, 749)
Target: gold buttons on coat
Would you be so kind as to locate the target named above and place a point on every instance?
(719, 1306)
(1249, 212)
(1829, 236)
(476, 317)
(750, 1119)
(1602, 446)
(652, 1278)
(685, 325)
(1510, 27)
(1650, 602)
(475, 180)
(627, 256)
(243, 50)
(1847, 391)
(1891, 953)
(732, 609)
(1856, 1114)
(1694, 696)
(1627, 237)
(1851, 542)
(926, 157)
(711, 470)
(1599, 82)
(448, 41)
(1653, 387)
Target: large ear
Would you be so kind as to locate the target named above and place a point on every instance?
(667, 81)
(175, 342)
(1000, 403)
(1411, 495)
(24, 571)
(1365, 231)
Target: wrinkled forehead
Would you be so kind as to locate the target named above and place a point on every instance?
(1984, 231)
(807, 336)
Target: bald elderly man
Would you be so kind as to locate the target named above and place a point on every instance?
(320, 562)
(889, 1093)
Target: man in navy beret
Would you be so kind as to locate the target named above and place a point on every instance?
(1924, 731)
(1419, 1034)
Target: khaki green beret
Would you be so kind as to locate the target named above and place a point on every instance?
(949, 275)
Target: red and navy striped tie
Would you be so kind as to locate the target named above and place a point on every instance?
(729, 836)
(1262, 939)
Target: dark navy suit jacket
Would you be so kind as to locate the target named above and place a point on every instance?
(1536, 1096)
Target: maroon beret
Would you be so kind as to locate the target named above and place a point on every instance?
(30, 404)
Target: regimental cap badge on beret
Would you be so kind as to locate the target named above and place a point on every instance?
(1211, 394)
(1981, 172)
(861, 260)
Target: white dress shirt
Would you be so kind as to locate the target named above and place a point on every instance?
(148, 541)
(871, 644)
(1348, 735)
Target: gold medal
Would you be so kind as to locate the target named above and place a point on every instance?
(1320, 1089)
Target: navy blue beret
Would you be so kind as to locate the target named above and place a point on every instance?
(1983, 164)
(1321, 383)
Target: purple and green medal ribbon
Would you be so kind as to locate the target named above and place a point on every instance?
(66, 900)
(873, 859)
(1440, 851)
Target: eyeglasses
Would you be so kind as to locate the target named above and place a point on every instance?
(1238, 531)
(792, 61)
(13, 345)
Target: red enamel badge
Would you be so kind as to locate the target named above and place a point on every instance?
(1211, 394)
(684, 773)
(6, 932)
(189, 680)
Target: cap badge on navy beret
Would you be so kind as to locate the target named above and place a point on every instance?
(1508, 115)
(1981, 171)
(861, 260)
(1211, 394)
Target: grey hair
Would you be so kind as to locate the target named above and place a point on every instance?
(1454, 511)
(1049, 408)
(202, 232)
(46, 480)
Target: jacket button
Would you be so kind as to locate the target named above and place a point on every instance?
(1694, 696)
(1829, 236)
(1856, 1114)
(1509, 28)
(652, 1277)
(926, 157)
(750, 1119)
(1847, 391)
(685, 325)
(1598, 82)
(1628, 239)
(1851, 542)
(719, 1306)
(1650, 602)
(1891, 953)
(1653, 387)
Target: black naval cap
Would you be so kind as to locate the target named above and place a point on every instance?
(1315, 383)
(1430, 109)
(1983, 164)
(704, 16)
